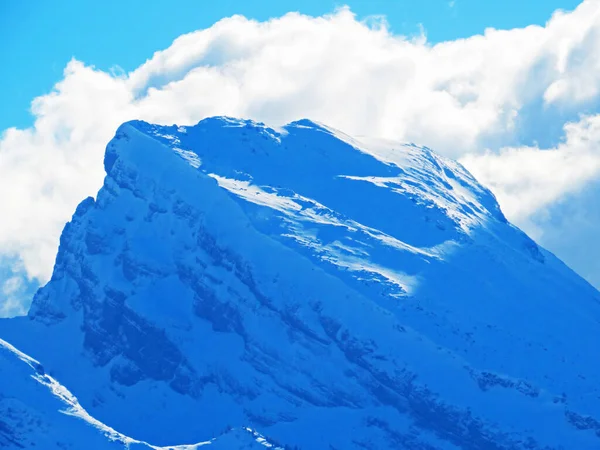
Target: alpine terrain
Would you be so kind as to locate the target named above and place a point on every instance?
(326, 292)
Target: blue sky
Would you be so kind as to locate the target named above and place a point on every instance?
(42, 36)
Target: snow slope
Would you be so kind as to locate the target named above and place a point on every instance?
(37, 411)
(328, 292)
(30, 402)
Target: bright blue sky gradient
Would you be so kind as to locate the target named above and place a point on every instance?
(38, 38)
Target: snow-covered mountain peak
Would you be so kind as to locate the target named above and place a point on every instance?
(312, 152)
(327, 291)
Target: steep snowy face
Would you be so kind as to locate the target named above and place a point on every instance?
(37, 411)
(30, 414)
(325, 291)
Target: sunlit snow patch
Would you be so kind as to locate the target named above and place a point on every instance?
(256, 195)
(308, 210)
(189, 156)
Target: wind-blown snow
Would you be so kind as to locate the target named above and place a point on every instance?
(323, 290)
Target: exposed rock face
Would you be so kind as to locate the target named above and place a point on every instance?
(330, 293)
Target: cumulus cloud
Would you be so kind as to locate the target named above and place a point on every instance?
(528, 179)
(12, 304)
(491, 100)
(14, 288)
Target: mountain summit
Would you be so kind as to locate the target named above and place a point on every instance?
(328, 292)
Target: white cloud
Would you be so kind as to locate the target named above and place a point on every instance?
(570, 226)
(13, 289)
(486, 99)
(527, 179)
(12, 306)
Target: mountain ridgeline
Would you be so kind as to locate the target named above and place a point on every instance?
(327, 292)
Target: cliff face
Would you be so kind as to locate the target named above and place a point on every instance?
(328, 292)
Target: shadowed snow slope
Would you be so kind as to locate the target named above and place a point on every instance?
(37, 411)
(328, 292)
